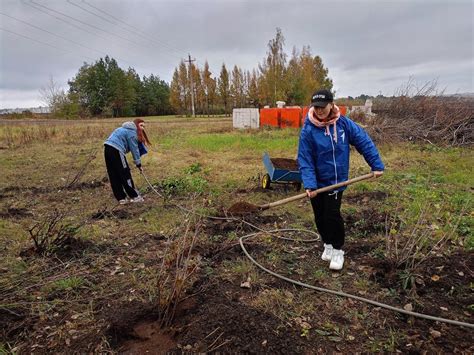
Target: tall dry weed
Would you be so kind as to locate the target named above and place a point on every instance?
(422, 113)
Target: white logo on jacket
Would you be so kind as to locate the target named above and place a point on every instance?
(343, 135)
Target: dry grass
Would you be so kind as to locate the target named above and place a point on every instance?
(148, 255)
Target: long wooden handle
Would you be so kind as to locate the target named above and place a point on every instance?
(323, 189)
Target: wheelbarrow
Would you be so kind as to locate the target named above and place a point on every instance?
(281, 171)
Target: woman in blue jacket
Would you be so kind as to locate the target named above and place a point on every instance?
(131, 137)
(323, 159)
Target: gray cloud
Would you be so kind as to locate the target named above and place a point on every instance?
(368, 46)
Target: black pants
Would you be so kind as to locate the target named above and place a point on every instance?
(119, 173)
(327, 215)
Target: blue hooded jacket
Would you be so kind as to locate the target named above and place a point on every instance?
(323, 162)
(125, 140)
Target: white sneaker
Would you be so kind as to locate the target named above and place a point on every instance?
(327, 253)
(137, 199)
(337, 260)
(124, 201)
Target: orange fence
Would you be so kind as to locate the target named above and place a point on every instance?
(288, 116)
(269, 117)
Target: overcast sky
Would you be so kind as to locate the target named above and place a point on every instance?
(369, 47)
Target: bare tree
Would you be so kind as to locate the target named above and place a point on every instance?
(52, 94)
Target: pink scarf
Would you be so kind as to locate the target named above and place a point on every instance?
(333, 117)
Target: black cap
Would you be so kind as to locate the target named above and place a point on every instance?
(321, 98)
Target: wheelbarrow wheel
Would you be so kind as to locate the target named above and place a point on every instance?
(266, 181)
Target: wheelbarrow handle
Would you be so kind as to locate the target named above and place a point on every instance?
(323, 189)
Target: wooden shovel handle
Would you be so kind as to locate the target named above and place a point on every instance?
(323, 189)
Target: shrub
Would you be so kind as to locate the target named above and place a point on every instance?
(52, 233)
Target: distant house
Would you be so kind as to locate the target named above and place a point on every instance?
(366, 109)
(39, 110)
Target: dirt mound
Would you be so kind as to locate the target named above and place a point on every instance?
(242, 208)
(220, 226)
(220, 321)
(285, 164)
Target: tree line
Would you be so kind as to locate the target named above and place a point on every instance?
(103, 89)
(274, 79)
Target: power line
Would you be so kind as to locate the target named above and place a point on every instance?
(60, 19)
(71, 24)
(85, 23)
(53, 34)
(126, 29)
(90, 12)
(136, 30)
(41, 42)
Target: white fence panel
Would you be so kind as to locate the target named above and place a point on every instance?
(246, 118)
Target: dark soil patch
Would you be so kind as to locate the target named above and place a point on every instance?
(360, 249)
(13, 212)
(148, 338)
(75, 248)
(222, 226)
(51, 189)
(228, 251)
(384, 273)
(365, 198)
(72, 248)
(86, 185)
(285, 164)
(441, 285)
(32, 189)
(243, 208)
(124, 318)
(13, 321)
(220, 321)
(366, 222)
(120, 214)
(445, 283)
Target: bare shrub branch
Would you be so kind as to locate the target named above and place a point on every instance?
(178, 265)
(51, 233)
(91, 155)
(422, 113)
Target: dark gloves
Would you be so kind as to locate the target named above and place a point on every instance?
(139, 167)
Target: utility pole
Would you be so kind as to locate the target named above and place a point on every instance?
(192, 85)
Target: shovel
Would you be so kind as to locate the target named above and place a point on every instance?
(244, 208)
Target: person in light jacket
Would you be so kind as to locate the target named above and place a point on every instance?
(131, 137)
(323, 159)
